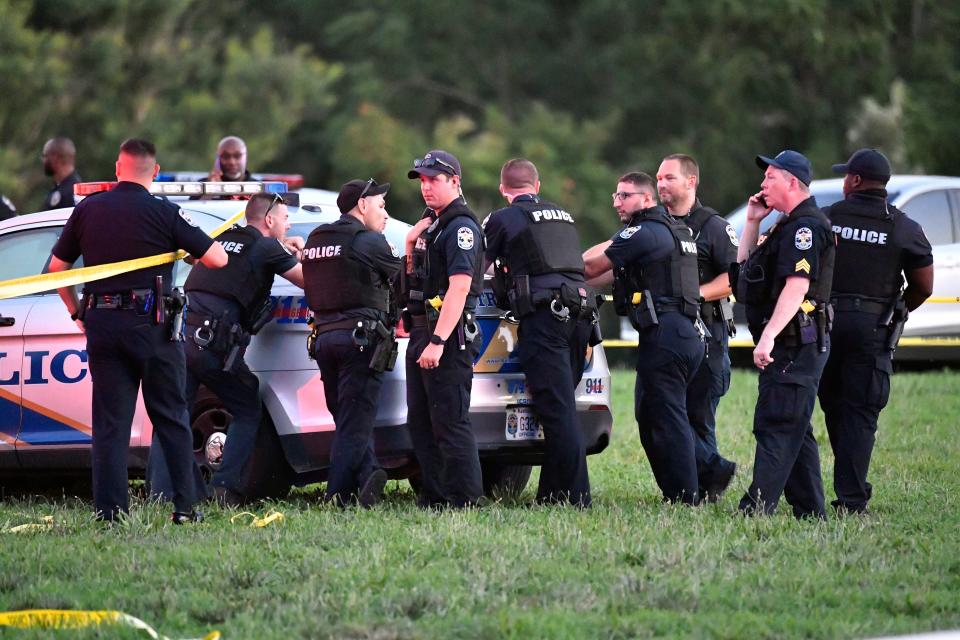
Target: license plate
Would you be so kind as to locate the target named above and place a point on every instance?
(522, 424)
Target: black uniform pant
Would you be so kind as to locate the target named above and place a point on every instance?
(438, 416)
(352, 391)
(239, 390)
(552, 355)
(125, 350)
(854, 389)
(710, 383)
(787, 461)
(667, 358)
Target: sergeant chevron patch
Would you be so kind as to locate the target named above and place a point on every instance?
(802, 265)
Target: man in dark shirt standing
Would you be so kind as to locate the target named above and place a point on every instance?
(128, 334)
(347, 269)
(59, 157)
(877, 245)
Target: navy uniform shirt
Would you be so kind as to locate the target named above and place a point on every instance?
(717, 244)
(460, 245)
(371, 249)
(268, 256)
(123, 224)
(62, 193)
(502, 226)
(640, 243)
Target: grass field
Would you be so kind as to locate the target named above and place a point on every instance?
(630, 567)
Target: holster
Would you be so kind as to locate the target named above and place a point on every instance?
(725, 308)
(385, 353)
(643, 314)
(261, 317)
(238, 339)
(519, 297)
(895, 321)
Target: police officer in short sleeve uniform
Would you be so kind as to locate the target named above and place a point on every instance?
(59, 155)
(536, 249)
(445, 285)
(654, 260)
(877, 245)
(226, 307)
(128, 340)
(784, 278)
(348, 267)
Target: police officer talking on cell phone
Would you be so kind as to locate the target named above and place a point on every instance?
(535, 249)
(348, 267)
(226, 307)
(655, 284)
(783, 278)
(877, 246)
(128, 320)
(443, 281)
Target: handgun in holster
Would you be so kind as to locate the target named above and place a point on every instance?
(521, 301)
(596, 336)
(643, 313)
(176, 306)
(238, 340)
(312, 337)
(385, 354)
(726, 316)
(894, 320)
(261, 317)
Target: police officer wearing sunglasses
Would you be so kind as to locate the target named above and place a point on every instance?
(226, 307)
(446, 278)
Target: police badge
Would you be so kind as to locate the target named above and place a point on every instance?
(465, 238)
(803, 239)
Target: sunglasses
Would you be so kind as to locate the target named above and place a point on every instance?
(426, 163)
(277, 199)
(370, 184)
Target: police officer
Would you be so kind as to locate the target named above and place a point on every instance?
(654, 260)
(7, 208)
(446, 279)
(226, 307)
(128, 324)
(783, 278)
(59, 158)
(677, 180)
(877, 245)
(348, 266)
(536, 249)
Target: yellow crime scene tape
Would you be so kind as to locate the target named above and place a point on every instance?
(256, 521)
(67, 619)
(47, 281)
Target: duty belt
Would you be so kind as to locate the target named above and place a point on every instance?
(860, 304)
(349, 323)
(126, 300)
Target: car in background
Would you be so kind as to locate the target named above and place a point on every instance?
(932, 201)
(45, 412)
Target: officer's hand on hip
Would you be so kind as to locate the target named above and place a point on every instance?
(761, 353)
(430, 358)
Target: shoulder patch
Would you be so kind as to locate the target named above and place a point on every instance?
(54, 198)
(628, 232)
(803, 239)
(802, 265)
(186, 217)
(465, 238)
(734, 240)
(393, 249)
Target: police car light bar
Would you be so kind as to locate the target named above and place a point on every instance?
(84, 189)
(292, 180)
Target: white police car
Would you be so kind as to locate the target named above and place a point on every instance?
(45, 413)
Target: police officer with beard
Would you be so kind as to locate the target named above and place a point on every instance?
(59, 158)
(347, 267)
(877, 245)
(446, 280)
(783, 278)
(226, 307)
(677, 180)
(654, 264)
(536, 250)
(128, 321)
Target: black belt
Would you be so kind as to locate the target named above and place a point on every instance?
(667, 307)
(349, 323)
(125, 300)
(418, 321)
(860, 304)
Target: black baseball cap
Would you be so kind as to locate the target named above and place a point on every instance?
(791, 161)
(351, 192)
(434, 163)
(866, 163)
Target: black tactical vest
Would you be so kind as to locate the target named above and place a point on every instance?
(673, 280)
(696, 220)
(241, 280)
(333, 279)
(868, 253)
(437, 280)
(548, 244)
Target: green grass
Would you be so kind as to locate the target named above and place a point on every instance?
(630, 567)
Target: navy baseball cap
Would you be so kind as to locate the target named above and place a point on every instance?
(791, 161)
(434, 163)
(351, 192)
(866, 163)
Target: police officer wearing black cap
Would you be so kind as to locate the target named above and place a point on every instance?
(654, 264)
(877, 245)
(677, 180)
(348, 267)
(226, 307)
(128, 321)
(535, 248)
(444, 284)
(783, 278)
(59, 157)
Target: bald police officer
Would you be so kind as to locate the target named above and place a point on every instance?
(783, 278)
(59, 159)
(877, 247)
(348, 268)
(129, 339)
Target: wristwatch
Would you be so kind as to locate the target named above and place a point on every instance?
(435, 339)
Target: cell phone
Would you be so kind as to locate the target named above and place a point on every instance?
(762, 200)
